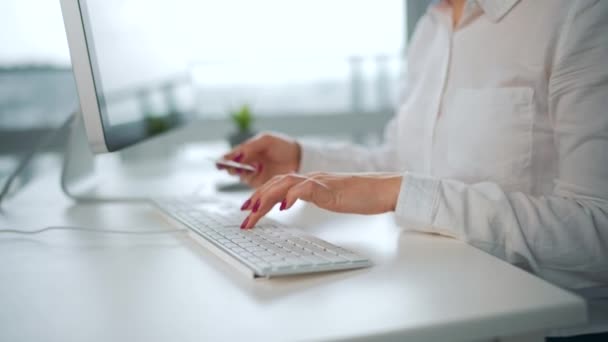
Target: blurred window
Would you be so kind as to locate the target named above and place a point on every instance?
(279, 57)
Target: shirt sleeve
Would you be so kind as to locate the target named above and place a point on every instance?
(351, 158)
(562, 237)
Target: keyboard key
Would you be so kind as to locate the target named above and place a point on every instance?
(280, 265)
(350, 256)
(360, 261)
(262, 253)
(325, 254)
(214, 235)
(237, 249)
(337, 260)
(273, 257)
(317, 260)
(295, 261)
(230, 245)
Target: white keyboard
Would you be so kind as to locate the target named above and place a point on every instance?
(270, 249)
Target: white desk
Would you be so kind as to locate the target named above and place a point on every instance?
(78, 286)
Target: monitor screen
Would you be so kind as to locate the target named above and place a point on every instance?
(142, 82)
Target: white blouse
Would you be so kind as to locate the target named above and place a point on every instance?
(502, 137)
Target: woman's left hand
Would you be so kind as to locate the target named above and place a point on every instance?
(371, 193)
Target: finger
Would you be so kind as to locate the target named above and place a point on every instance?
(253, 199)
(303, 191)
(256, 182)
(235, 155)
(248, 178)
(247, 151)
(254, 179)
(263, 205)
(249, 203)
(257, 170)
(234, 170)
(266, 200)
(237, 171)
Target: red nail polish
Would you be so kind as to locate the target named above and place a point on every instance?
(245, 205)
(244, 224)
(256, 206)
(239, 157)
(283, 205)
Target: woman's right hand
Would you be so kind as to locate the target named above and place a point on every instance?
(270, 154)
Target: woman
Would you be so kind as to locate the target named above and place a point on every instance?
(501, 141)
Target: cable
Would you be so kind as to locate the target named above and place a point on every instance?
(91, 230)
(47, 139)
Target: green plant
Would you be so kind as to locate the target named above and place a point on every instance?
(243, 118)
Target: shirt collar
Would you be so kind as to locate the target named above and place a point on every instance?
(496, 9)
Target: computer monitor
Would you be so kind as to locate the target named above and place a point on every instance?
(130, 87)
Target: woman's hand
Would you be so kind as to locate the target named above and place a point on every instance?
(270, 154)
(345, 193)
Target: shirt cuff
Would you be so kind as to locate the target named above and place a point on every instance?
(311, 157)
(418, 200)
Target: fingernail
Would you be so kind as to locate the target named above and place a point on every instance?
(244, 224)
(246, 204)
(256, 206)
(239, 157)
(283, 205)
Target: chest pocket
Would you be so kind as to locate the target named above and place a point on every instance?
(489, 135)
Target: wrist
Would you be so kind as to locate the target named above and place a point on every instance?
(390, 187)
(298, 156)
(396, 182)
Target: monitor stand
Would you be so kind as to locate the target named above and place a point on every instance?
(79, 180)
(107, 178)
